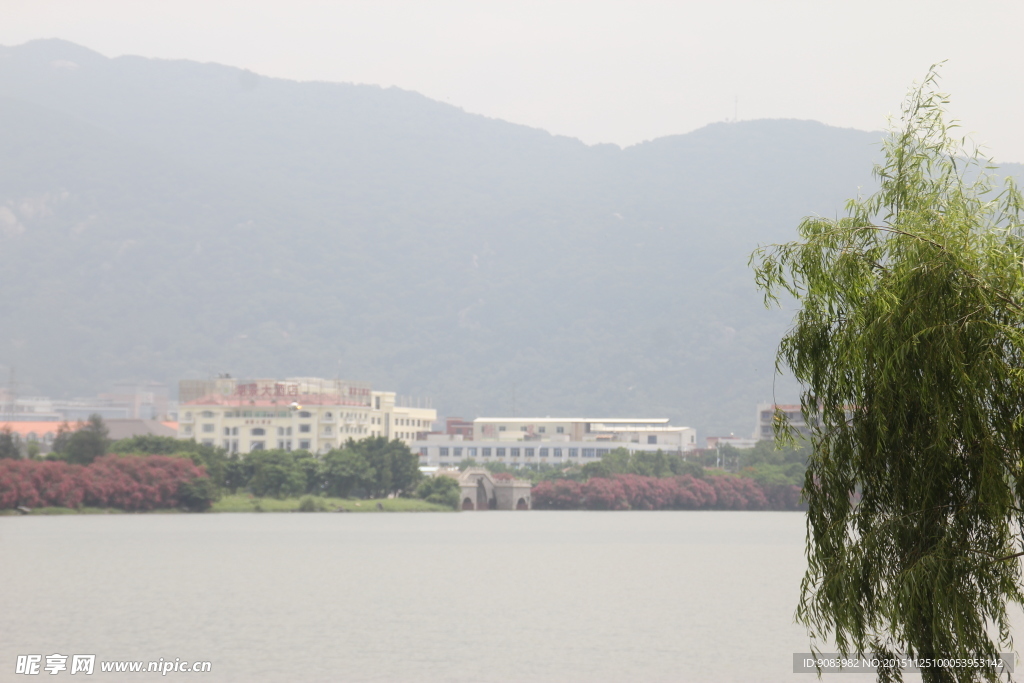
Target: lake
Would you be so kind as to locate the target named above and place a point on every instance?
(496, 596)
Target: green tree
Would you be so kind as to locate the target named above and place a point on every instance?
(275, 473)
(644, 463)
(83, 445)
(441, 490)
(344, 470)
(312, 471)
(909, 345)
(198, 494)
(651, 463)
(236, 474)
(395, 468)
(771, 463)
(9, 444)
(151, 444)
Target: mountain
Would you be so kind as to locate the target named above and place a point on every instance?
(169, 219)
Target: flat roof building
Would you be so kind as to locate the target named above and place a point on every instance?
(517, 441)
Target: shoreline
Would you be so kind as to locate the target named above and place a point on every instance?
(248, 504)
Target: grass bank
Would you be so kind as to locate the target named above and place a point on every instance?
(245, 503)
(70, 511)
(242, 502)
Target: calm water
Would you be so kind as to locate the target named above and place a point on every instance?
(538, 596)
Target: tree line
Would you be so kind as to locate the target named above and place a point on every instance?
(370, 468)
(765, 477)
(767, 464)
(760, 478)
(373, 467)
(126, 483)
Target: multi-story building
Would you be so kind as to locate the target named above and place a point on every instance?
(146, 401)
(516, 441)
(456, 425)
(765, 425)
(297, 413)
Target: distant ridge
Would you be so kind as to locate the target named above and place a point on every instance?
(168, 219)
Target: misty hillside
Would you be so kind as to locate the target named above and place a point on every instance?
(169, 219)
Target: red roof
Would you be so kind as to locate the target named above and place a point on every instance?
(23, 429)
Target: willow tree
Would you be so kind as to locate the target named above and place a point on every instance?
(909, 347)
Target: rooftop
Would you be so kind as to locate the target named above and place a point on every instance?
(599, 420)
(274, 401)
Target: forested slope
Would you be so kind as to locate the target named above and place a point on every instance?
(168, 219)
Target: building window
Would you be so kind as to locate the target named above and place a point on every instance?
(652, 438)
(589, 453)
(227, 444)
(444, 451)
(529, 452)
(187, 429)
(543, 452)
(305, 413)
(457, 452)
(227, 431)
(207, 413)
(471, 451)
(304, 444)
(522, 429)
(207, 442)
(208, 428)
(515, 452)
(486, 452)
(234, 431)
(257, 446)
(558, 452)
(560, 430)
(327, 416)
(280, 444)
(304, 429)
(258, 431)
(500, 452)
(327, 430)
(603, 451)
(501, 428)
(423, 452)
(188, 416)
(541, 430)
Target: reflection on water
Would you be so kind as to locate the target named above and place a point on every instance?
(537, 596)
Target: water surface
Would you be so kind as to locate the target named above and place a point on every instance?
(496, 596)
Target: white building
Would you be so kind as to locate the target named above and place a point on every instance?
(516, 441)
(297, 413)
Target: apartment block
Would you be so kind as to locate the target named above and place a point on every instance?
(296, 413)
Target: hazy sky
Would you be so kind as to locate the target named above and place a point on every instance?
(617, 72)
